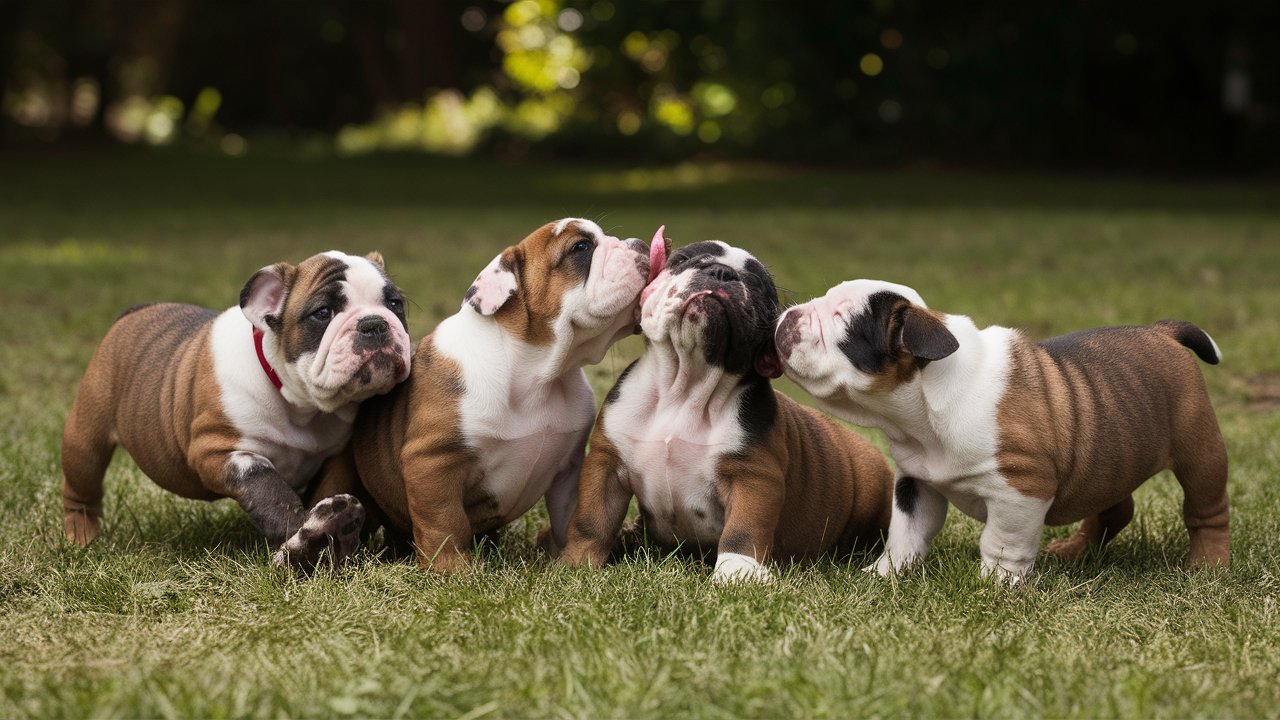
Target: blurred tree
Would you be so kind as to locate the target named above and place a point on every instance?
(1187, 85)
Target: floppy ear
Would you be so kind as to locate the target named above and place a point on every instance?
(494, 285)
(375, 257)
(767, 362)
(262, 298)
(925, 336)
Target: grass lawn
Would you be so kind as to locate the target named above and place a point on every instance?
(175, 610)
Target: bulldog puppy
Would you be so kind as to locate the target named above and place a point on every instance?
(1015, 434)
(246, 403)
(496, 412)
(718, 460)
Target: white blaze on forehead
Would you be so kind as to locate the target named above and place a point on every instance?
(734, 257)
(582, 223)
(858, 291)
(364, 281)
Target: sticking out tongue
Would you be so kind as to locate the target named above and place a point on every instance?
(657, 253)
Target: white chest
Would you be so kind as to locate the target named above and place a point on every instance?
(525, 441)
(514, 473)
(296, 442)
(672, 453)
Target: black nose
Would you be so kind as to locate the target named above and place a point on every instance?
(723, 273)
(372, 327)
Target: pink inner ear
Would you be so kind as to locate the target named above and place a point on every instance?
(768, 365)
(491, 289)
(267, 298)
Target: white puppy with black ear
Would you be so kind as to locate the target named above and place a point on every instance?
(1015, 434)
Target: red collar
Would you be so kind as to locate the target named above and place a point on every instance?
(266, 366)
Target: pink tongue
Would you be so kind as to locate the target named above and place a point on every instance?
(657, 253)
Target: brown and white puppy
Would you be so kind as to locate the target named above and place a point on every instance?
(496, 412)
(1015, 434)
(246, 403)
(718, 460)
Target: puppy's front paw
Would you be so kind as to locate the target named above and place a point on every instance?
(884, 566)
(735, 568)
(1008, 577)
(333, 525)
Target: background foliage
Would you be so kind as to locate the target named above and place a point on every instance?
(1187, 85)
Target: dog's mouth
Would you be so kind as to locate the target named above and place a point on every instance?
(384, 365)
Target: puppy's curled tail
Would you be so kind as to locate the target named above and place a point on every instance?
(1192, 337)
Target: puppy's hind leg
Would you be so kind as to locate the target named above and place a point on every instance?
(1095, 531)
(1011, 538)
(86, 452)
(1201, 469)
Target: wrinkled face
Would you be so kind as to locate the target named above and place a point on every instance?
(864, 337)
(715, 301)
(337, 321)
(567, 278)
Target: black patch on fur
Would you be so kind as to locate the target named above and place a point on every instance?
(758, 410)
(738, 543)
(688, 252)
(393, 299)
(326, 292)
(1191, 337)
(1086, 347)
(273, 506)
(866, 340)
(579, 263)
(905, 493)
(616, 390)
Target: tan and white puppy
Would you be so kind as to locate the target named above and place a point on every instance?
(719, 461)
(246, 403)
(496, 412)
(1015, 434)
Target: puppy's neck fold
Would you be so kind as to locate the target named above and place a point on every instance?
(685, 378)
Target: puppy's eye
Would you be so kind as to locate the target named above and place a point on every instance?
(395, 304)
(324, 314)
(582, 246)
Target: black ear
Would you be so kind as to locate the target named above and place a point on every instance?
(925, 336)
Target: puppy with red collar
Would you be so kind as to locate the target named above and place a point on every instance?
(719, 461)
(496, 411)
(246, 403)
(1015, 434)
